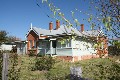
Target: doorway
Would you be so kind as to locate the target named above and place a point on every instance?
(54, 47)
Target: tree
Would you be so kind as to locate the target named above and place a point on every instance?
(115, 43)
(3, 36)
(114, 49)
(107, 15)
(12, 38)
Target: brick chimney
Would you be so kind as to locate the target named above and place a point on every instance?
(82, 27)
(57, 24)
(51, 25)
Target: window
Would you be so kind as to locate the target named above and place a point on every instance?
(30, 44)
(64, 43)
(44, 44)
(34, 43)
(59, 44)
(68, 41)
(40, 44)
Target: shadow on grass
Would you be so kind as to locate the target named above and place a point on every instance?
(74, 77)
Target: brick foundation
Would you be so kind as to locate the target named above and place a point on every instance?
(84, 57)
(77, 58)
(89, 57)
(66, 58)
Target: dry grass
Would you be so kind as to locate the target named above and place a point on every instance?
(26, 73)
(93, 68)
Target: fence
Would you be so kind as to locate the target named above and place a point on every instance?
(75, 73)
(8, 67)
(1, 61)
(5, 67)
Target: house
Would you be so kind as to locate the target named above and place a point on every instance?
(21, 47)
(66, 42)
(7, 46)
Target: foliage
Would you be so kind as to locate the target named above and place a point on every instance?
(14, 69)
(114, 49)
(44, 63)
(3, 36)
(106, 15)
(5, 51)
(32, 53)
(40, 55)
(110, 15)
(105, 69)
(27, 71)
(14, 49)
(60, 71)
(100, 69)
(116, 43)
(12, 38)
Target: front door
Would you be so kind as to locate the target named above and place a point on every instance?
(54, 47)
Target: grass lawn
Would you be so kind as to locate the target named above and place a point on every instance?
(26, 73)
(98, 69)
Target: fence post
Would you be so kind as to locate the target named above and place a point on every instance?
(75, 73)
(5, 67)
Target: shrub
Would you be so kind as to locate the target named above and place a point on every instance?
(101, 69)
(44, 63)
(14, 69)
(60, 71)
(31, 53)
(40, 55)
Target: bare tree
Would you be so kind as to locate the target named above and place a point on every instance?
(107, 15)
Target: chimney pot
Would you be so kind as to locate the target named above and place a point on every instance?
(82, 27)
(51, 25)
(57, 24)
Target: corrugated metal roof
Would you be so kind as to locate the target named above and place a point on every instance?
(116, 39)
(93, 33)
(66, 30)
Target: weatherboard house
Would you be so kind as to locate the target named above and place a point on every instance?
(66, 42)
